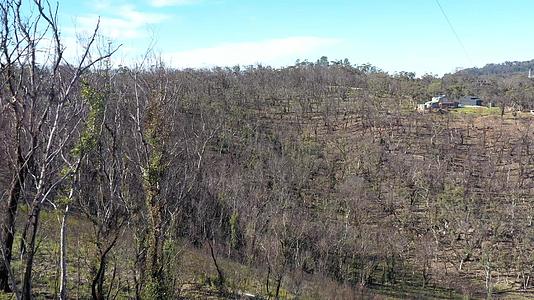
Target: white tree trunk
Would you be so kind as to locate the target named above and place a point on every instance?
(63, 255)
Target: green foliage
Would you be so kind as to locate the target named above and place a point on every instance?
(323, 61)
(434, 88)
(155, 169)
(311, 147)
(160, 284)
(451, 203)
(154, 135)
(484, 111)
(508, 67)
(234, 228)
(157, 289)
(452, 196)
(63, 200)
(457, 90)
(223, 143)
(89, 137)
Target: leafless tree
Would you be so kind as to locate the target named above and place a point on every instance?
(46, 114)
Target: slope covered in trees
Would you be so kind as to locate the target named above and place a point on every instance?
(506, 68)
(317, 180)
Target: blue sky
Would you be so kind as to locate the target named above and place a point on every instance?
(395, 35)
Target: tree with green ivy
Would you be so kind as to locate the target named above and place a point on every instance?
(153, 170)
(87, 142)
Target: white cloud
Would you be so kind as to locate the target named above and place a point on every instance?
(125, 22)
(163, 3)
(74, 48)
(99, 5)
(121, 24)
(275, 52)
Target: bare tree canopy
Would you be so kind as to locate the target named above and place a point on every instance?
(317, 180)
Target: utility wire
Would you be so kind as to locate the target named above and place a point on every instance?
(454, 32)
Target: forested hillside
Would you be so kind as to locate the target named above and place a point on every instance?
(313, 181)
(506, 68)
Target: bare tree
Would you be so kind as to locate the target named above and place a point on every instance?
(41, 85)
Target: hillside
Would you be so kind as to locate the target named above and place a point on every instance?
(506, 68)
(304, 182)
(313, 181)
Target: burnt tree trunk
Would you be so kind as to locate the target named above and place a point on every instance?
(97, 284)
(8, 229)
(30, 251)
(278, 285)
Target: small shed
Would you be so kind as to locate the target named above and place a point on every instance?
(470, 101)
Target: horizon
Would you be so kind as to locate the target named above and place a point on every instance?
(421, 36)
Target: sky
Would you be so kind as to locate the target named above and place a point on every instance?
(394, 35)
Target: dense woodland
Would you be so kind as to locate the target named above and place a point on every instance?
(501, 69)
(317, 180)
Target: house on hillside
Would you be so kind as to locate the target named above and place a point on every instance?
(470, 101)
(438, 102)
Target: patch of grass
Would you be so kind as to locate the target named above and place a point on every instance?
(411, 291)
(482, 111)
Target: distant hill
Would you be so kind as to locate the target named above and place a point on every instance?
(508, 67)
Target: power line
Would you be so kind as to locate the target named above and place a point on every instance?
(454, 31)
